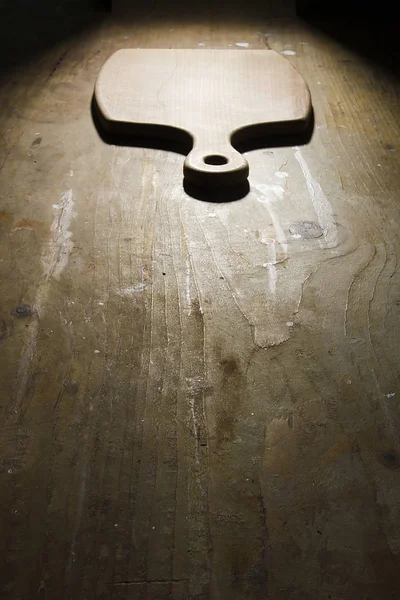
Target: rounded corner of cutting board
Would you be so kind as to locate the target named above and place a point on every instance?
(110, 60)
(100, 96)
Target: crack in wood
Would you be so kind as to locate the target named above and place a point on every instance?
(58, 63)
(147, 581)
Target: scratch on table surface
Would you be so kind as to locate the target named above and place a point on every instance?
(322, 206)
(79, 503)
(54, 258)
(369, 258)
(3, 162)
(187, 282)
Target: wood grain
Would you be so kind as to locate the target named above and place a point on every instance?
(196, 402)
(209, 95)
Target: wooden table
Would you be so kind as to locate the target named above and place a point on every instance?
(199, 400)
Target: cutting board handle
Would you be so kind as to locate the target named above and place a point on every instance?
(215, 165)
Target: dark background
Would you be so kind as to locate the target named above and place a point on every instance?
(339, 8)
(27, 27)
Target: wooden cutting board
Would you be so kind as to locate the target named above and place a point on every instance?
(215, 96)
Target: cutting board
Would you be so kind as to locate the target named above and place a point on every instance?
(215, 96)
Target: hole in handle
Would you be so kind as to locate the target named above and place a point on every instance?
(215, 159)
(222, 168)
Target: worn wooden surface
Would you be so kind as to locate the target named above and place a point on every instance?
(199, 400)
(210, 96)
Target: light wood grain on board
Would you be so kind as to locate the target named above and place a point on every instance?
(197, 403)
(212, 96)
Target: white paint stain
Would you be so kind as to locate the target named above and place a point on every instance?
(282, 244)
(56, 259)
(194, 385)
(321, 204)
(133, 289)
(288, 52)
(201, 44)
(267, 193)
(272, 274)
(242, 44)
(281, 174)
